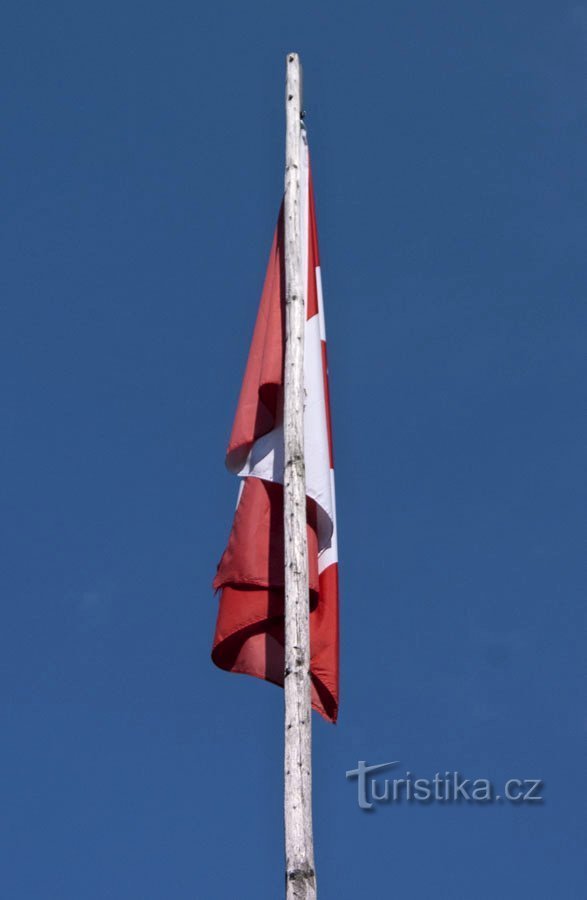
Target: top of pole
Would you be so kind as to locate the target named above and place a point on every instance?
(295, 79)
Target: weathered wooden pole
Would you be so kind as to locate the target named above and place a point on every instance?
(299, 844)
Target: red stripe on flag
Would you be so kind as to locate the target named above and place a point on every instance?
(260, 396)
(249, 628)
(313, 256)
(313, 236)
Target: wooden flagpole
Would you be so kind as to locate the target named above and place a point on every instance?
(299, 846)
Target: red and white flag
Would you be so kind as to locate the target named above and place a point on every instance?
(249, 634)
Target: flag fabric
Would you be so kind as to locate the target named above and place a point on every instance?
(249, 635)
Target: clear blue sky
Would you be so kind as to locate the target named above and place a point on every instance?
(141, 174)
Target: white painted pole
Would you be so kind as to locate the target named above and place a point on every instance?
(299, 845)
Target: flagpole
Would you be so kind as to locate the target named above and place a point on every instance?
(300, 876)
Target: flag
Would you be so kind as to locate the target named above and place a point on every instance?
(249, 635)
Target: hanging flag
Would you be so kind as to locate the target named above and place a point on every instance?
(249, 634)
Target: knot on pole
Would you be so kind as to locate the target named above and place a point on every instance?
(301, 874)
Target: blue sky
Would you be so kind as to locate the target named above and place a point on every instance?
(141, 174)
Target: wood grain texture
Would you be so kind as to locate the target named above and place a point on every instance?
(299, 850)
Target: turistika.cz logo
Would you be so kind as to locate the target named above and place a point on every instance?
(448, 787)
